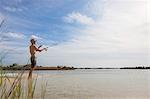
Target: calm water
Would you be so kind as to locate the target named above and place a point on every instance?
(95, 84)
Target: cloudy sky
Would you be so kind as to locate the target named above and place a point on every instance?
(79, 33)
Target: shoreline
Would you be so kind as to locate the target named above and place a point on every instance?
(27, 67)
(16, 69)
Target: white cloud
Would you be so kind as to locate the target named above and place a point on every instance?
(16, 35)
(118, 27)
(118, 37)
(12, 35)
(35, 37)
(12, 9)
(15, 47)
(76, 17)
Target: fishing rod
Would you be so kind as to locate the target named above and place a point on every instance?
(52, 44)
(2, 22)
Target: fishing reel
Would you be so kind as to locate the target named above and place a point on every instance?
(45, 48)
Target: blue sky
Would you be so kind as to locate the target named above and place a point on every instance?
(86, 33)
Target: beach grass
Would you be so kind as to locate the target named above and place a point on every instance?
(19, 87)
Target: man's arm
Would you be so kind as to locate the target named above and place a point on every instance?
(37, 49)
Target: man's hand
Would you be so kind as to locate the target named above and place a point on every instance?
(45, 48)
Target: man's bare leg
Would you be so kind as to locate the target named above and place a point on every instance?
(30, 73)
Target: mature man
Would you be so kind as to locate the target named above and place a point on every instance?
(33, 50)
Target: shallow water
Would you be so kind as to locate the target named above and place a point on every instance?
(95, 84)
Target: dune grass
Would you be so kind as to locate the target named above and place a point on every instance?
(19, 88)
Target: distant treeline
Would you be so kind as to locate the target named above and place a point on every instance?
(27, 67)
(139, 67)
(95, 68)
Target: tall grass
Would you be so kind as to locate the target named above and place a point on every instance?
(15, 88)
(43, 90)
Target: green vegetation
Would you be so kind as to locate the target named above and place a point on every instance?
(15, 88)
(16, 66)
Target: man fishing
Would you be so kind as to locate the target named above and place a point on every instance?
(33, 50)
